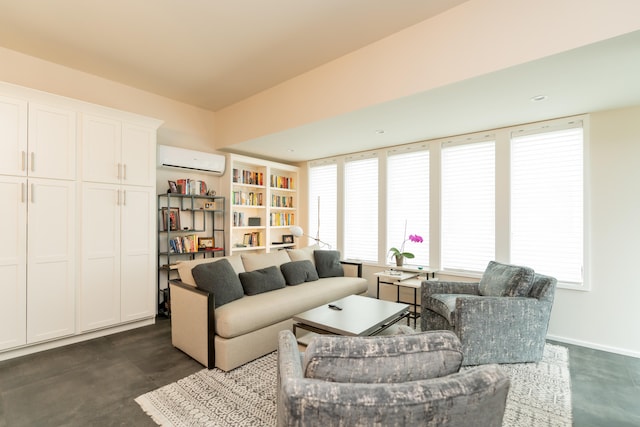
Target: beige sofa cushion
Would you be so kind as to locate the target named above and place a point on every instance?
(303, 254)
(257, 261)
(184, 267)
(258, 311)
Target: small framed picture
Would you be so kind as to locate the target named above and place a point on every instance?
(206, 243)
(171, 218)
(173, 188)
(287, 238)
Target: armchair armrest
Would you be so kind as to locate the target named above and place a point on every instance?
(192, 322)
(438, 287)
(357, 264)
(472, 397)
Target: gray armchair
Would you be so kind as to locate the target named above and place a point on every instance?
(501, 319)
(385, 381)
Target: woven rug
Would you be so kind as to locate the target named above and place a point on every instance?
(540, 395)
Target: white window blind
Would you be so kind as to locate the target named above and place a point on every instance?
(408, 200)
(323, 203)
(361, 209)
(547, 203)
(468, 205)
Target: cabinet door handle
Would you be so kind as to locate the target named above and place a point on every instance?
(33, 161)
(33, 198)
(22, 192)
(124, 197)
(119, 170)
(24, 161)
(124, 171)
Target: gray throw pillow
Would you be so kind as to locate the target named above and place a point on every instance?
(328, 264)
(296, 272)
(505, 280)
(220, 279)
(262, 280)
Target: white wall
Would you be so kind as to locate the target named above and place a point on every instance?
(607, 317)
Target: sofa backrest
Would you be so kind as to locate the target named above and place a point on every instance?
(253, 262)
(184, 267)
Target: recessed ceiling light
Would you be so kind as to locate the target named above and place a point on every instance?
(379, 131)
(538, 98)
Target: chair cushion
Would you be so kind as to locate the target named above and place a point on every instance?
(328, 263)
(504, 280)
(262, 280)
(185, 267)
(296, 272)
(382, 359)
(220, 279)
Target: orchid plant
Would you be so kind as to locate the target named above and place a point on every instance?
(400, 252)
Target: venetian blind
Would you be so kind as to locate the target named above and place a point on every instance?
(361, 208)
(547, 203)
(323, 203)
(468, 205)
(408, 201)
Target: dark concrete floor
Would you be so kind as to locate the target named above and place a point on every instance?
(94, 383)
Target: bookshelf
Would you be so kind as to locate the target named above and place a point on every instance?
(263, 204)
(189, 226)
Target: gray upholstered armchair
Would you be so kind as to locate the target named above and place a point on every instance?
(502, 319)
(402, 380)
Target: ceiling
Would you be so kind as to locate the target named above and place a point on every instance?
(214, 53)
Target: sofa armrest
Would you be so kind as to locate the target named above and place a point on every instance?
(192, 322)
(355, 272)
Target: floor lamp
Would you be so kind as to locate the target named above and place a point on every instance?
(297, 231)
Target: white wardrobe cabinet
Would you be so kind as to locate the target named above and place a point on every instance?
(117, 152)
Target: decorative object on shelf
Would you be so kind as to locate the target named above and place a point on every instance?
(171, 216)
(400, 254)
(297, 231)
(254, 221)
(206, 243)
(287, 238)
(173, 187)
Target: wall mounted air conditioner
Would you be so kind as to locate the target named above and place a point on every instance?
(197, 161)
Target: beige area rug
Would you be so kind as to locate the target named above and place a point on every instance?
(540, 395)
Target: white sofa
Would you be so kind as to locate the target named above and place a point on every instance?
(247, 328)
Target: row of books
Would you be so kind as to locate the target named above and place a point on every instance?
(239, 219)
(253, 239)
(242, 176)
(183, 244)
(281, 201)
(281, 182)
(247, 199)
(191, 186)
(281, 219)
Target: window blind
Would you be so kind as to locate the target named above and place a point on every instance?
(547, 203)
(361, 209)
(468, 205)
(408, 201)
(323, 203)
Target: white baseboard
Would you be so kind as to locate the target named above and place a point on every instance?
(622, 351)
(35, 348)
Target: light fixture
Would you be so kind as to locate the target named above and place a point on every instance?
(379, 131)
(539, 98)
(297, 231)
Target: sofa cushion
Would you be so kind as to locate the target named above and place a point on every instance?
(257, 261)
(328, 264)
(305, 253)
(185, 267)
(296, 272)
(375, 359)
(220, 279)
(504, 280)
(262, 280)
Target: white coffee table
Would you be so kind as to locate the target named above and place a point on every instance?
(359, 316)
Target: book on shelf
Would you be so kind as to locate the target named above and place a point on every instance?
(183, 244)
(191, 187)
(284, 182)
(249, 177)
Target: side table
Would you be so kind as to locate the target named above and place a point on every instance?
(407, 279)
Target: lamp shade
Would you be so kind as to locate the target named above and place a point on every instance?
(296, 230)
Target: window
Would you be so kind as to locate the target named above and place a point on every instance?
(361, 208)
(408, 200)
(323, 203)
(547, 203)
(468, 205)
